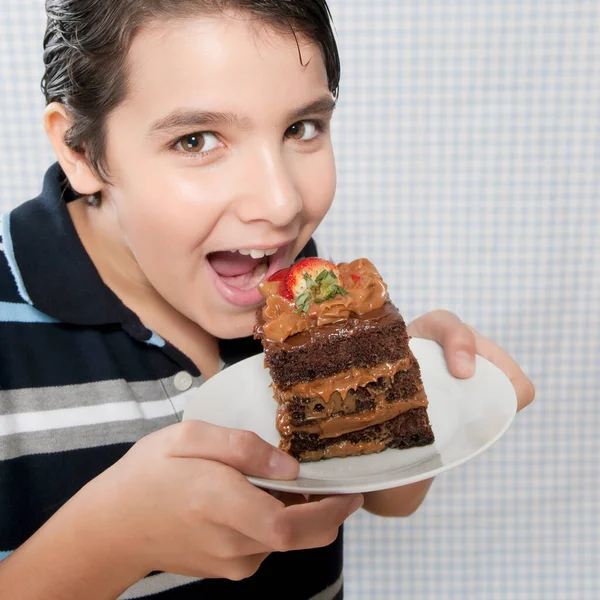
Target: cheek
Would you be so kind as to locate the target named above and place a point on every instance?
(318, 187)
(165, 217)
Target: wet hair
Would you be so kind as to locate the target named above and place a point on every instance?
(87, 41)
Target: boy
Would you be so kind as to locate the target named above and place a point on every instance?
(194, 160)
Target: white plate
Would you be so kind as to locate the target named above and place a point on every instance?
(467, 416)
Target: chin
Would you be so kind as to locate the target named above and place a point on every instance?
(233, 326)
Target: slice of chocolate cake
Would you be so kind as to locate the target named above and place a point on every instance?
(337, 351)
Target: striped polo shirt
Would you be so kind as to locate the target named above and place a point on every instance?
(82, 379)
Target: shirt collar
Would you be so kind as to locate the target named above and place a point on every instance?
(54, 272)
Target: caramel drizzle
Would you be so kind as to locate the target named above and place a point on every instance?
(343, 382)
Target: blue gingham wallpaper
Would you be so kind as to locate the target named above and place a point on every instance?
(468, 149)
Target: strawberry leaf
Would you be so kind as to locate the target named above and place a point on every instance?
(322, 275)
(323, 287)
(303, 302)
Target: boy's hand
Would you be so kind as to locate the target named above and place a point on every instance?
(180, 500)
(461, 342)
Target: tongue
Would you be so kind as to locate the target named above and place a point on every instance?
(231, 264)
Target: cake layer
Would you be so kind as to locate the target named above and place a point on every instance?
(340, 424)
(403, 384)
(366, 340)
(343, 382)
(407, 430)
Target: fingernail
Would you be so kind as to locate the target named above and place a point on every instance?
(282, 465)
(465, 364)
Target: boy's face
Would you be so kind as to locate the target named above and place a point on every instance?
(221, 144)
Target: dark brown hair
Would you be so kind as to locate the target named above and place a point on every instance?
(87, 41)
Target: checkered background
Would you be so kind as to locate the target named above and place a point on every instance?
(468, 148)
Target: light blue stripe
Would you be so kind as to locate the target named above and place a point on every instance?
(10, 257)
(12, 312)
(156, 340)
(3, 554)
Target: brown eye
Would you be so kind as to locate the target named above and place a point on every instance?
(198, 142)
(303, 131)
(192, 143)
(296, 131)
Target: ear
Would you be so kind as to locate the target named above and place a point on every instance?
(81, 176)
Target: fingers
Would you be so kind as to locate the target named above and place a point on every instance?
(525, 390)
(235, 569)
(244, 567)
(229, 544)
(397, 502)
(258, 515)
(495, 354)
(287, 498)
(311, 524)
(243, 450)
(235, 503)
(455, 337)
(460, 343)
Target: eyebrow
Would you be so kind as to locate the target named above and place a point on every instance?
(323, 106)
(182, 119)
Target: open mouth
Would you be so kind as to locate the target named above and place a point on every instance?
(237, 273)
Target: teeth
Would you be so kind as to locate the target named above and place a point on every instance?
(256, 253)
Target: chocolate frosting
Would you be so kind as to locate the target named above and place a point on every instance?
(280, 319)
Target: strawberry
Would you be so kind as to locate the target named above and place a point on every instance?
(281, 276)
(313, 280)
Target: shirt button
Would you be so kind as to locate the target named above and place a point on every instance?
(183, 381)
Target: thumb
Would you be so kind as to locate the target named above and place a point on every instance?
(243, 450)
(455, 337)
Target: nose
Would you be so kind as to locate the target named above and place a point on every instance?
(269, 191)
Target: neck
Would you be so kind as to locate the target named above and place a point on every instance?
(99, 231)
